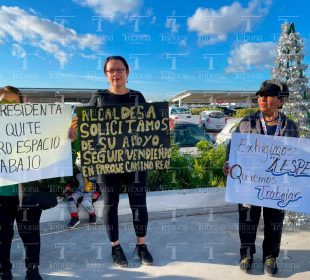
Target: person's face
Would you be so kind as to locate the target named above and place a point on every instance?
(9, 97)
(269, 104)
(116, 73)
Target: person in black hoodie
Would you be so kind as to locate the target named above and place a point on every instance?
(116, 70)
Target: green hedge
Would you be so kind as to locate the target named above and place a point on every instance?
(209, 164)
(179, 176)
(241, 113)
(197, 111)
(188, 171)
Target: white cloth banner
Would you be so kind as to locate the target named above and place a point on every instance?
(270, 171)
(34, 142)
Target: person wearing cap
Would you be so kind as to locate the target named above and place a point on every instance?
(267, 121)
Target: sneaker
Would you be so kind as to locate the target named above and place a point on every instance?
(6, 275)
(270, 266)
(92, 219)
(118, 256)
(141, 252)
(74, 222)
(33, 274)
(246, 264)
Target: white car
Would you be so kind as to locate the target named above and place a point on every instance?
(212, 120)
(179, 113)
(225, 135)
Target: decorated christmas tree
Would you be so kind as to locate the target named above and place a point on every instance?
(290, 69)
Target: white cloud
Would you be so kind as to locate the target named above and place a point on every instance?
(111, 9)
(217, 24)
(29, 29)
(251, 56)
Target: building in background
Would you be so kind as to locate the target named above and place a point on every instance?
(199, 97)
(206, 97)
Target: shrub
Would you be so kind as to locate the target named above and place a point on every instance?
(188, 171)
(179, 176)
(209, 164)
(197, 111)
(241, 113)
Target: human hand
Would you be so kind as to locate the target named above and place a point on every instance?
(226, 168)
(73, 129)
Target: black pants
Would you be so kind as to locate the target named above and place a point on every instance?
(135, 185)
(248, 223)
(27, 221)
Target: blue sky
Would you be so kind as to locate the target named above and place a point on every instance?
(171, 46)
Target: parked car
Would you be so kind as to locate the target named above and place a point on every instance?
(187, 134)
(225, 135)
(228, 111)
(179, 113)
(212, 120)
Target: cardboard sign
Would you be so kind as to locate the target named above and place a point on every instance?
(270, 171)
(124, 138)
(34, 142)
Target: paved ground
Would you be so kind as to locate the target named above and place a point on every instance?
(184, 246)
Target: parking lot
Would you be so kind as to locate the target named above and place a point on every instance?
(194, 119)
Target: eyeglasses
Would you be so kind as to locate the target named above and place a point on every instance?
(117, 70)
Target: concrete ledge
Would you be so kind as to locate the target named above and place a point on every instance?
(163, 204)
(177, 213)
(172, 215)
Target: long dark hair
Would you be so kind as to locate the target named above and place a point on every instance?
(122, 59)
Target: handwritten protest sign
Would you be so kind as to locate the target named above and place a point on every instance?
(270, 171)
(124, 138)
(34, 142)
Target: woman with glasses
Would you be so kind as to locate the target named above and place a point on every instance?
(268, 121)
(27, 219)
(116, 70)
